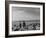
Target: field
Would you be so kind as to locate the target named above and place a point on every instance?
(26, 25)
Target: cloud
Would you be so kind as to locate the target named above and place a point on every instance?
(25, 13)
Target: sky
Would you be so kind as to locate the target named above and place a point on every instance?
(25, 13)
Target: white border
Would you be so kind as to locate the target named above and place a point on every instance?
(25, 32)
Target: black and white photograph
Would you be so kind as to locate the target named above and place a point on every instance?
(25, 18)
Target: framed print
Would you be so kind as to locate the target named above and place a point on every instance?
(24, 18)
